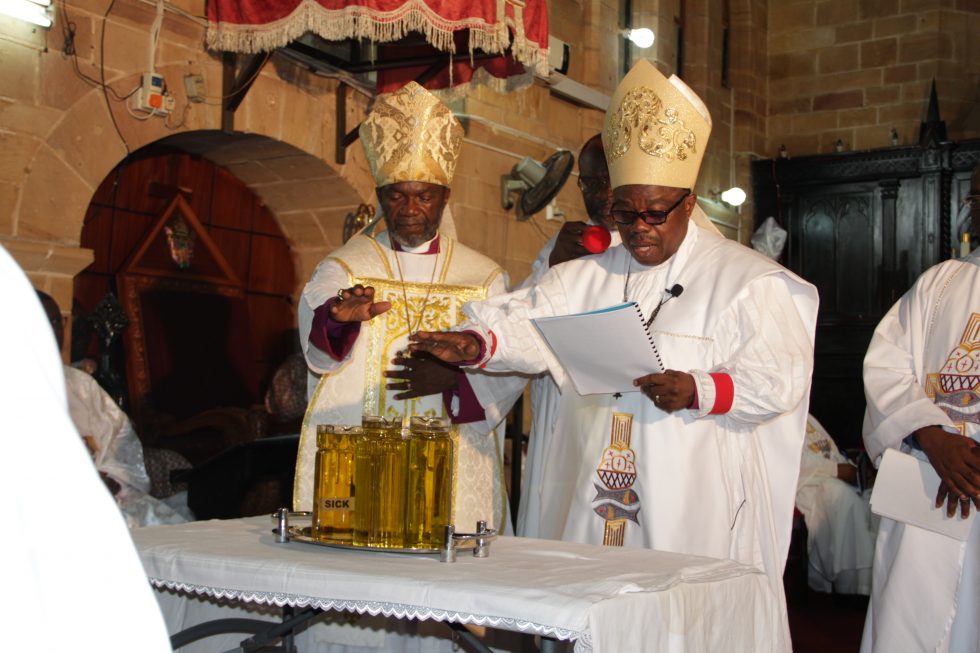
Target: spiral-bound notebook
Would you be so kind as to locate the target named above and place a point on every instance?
(602, 351)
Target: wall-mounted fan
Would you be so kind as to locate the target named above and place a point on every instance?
(536, 183)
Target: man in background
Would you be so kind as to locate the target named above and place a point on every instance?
(840, 525)
(566, 245)
(593, 183)
(113, 444)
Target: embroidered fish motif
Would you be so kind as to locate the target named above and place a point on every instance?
(610, 512)
(617, 503)
(627, 497)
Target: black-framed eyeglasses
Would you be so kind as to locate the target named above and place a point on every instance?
(652, 218)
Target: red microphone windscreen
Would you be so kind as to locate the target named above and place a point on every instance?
(596, 239)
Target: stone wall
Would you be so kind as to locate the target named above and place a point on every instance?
(853, 70)
(737, 107)
(531, 123)
(802, 72)
(59, 139)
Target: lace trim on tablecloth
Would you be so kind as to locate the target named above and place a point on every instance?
(583, 641)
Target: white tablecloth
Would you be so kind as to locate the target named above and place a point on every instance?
(605, 599)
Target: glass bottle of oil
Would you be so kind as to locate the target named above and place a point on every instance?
(333, 494)
(388, 464)
(430, 482)
(365, 489)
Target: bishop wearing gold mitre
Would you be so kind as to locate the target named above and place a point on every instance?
(366, 297)
(701, 458)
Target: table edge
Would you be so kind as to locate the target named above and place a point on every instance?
(374, 608)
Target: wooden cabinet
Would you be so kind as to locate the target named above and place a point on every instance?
(862, 227)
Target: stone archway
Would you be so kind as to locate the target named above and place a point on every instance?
(286, 142)
(287, 197)
(308, 198)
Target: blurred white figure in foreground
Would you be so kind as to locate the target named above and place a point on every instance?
(72, 577)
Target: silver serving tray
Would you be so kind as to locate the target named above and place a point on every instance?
(305, 534)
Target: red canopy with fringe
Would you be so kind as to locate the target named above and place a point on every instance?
(449, 26)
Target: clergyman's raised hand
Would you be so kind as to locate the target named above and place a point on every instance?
(568, 244)
(447, 346)
(357, 305)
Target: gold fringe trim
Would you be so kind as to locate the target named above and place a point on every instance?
(354, 22)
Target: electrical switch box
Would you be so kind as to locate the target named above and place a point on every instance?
(152, 95)
(195, 88)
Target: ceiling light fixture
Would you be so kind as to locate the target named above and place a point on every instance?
(734, 196)
(642, 38)
(36, 12)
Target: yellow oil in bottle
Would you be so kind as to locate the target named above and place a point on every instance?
(333, 494)
(365, 491)
(382, 455)
(429, 483)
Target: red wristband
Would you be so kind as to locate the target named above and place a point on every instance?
(724, 393)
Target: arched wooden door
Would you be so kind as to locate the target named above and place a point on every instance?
(205, 277)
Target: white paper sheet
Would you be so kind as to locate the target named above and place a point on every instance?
(602, 351)
(905, 490)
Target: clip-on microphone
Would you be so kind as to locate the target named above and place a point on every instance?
(673, 291)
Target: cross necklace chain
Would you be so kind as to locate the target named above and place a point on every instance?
(428, 291)
(626, 284)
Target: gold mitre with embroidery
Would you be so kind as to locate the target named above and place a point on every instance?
(656, 130)
(411, 136)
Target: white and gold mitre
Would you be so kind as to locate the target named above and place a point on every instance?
(655, 131)
(411, 136)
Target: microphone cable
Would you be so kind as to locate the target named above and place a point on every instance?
(673, 291)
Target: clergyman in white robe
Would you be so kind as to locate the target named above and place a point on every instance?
(118, 453)
(437, 284)
(545, 396)
(921, 370)
(718, 484)
(701, 454)
(424, 275)
(840, 525)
